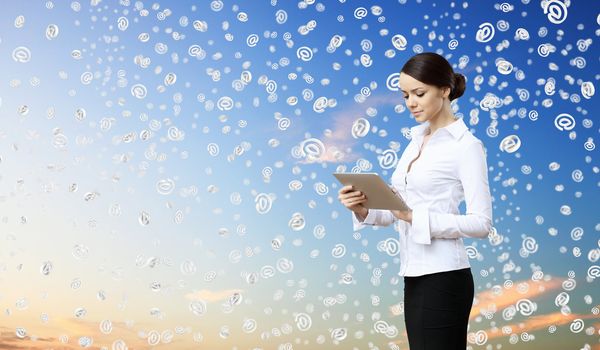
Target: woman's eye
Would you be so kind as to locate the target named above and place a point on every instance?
(421, 94)
(405, 96)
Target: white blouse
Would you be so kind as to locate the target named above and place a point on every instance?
(451, 168)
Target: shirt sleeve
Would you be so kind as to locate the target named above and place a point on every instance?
(375, 217)
(477, 222)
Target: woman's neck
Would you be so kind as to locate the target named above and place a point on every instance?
(445, 118)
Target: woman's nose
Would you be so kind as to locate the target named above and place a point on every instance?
(410, 101)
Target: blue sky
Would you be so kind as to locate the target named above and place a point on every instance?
(209, 216)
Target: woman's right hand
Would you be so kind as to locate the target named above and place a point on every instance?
(353, 200)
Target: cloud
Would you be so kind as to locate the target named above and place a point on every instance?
(36, 336)
(340, 138)
(538, 322)
(9, 340)
(496, 299)
(493, 300)
(212, 296)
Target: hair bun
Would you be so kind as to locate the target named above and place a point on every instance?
(459, 86)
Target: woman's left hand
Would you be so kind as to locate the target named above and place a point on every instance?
(405, 215)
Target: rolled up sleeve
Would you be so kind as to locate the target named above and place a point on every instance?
(477, 221)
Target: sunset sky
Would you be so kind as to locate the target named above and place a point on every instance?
(165, 171)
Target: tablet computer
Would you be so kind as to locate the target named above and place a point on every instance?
(378, 192)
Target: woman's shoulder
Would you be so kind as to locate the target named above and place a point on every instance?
(468, 139)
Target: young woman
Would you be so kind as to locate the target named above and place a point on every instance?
(442, 165)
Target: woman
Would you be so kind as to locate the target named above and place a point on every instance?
(442, 165)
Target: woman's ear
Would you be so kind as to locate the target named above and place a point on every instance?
(446, 91)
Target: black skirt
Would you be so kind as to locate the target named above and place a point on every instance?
(437, 308)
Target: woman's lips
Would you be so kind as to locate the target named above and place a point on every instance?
(417, 112)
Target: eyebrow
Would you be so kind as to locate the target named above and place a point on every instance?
(420, 87)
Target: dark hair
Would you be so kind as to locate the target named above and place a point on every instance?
(433, 69)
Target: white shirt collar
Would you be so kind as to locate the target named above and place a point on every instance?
(456, 129)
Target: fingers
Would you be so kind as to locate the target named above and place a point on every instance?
(351, 195)
(353, 200)
(346, 189)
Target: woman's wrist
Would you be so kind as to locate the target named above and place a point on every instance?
(404, 215)
(362, 215)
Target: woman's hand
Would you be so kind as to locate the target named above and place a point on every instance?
(353, 200)
(405, 215)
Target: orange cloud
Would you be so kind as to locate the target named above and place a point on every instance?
(497, 299)
(538, 322)
(341, 139)
(492, 299)
(37, 337)
(212, 296)
(9, 340)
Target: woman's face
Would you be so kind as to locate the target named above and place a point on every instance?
(424, 101)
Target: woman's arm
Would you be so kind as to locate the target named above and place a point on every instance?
(375, 217)
(477, 222)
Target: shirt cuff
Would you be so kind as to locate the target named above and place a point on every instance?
(369, 220)
(420, 232)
